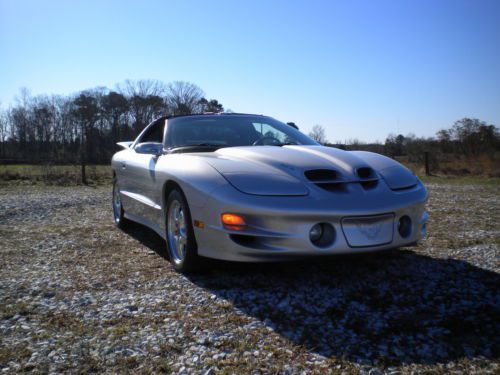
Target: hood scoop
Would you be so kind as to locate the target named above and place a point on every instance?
(327, 179)
(331, 180)
(368, 179)
(365, 173)
(321, 175)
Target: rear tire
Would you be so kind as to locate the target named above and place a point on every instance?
(181, 243)
(118, 211)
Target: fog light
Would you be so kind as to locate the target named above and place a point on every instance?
(404, 226)
(316, 232)
(322, 234)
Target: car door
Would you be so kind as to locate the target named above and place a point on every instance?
(142, 185)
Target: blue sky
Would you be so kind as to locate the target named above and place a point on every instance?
(362, 69)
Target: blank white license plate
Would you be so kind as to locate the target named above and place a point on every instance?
(364, 231)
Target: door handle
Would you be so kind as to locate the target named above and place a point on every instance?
(124, 165)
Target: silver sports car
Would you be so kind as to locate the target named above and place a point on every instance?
(250, 188)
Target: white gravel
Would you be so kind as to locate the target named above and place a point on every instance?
(78, 295)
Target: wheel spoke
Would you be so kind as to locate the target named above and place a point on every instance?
(176, 233)
(182, 240)
(116, 202)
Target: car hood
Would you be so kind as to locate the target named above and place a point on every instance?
(272, 170)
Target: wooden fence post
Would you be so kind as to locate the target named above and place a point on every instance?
(427, 169)
(84, 175)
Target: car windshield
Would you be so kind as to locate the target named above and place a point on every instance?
(231, 130)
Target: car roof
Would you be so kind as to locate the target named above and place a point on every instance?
(213, 114)
(223, 114)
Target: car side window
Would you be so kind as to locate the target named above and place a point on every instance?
(154, 133)
(267, 130)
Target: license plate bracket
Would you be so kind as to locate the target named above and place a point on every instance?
(367, 231)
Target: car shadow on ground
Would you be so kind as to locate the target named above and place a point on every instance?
(147, 237)
(396, 307)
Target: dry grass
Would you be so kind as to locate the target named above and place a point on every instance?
(62, 175)
(458, 166)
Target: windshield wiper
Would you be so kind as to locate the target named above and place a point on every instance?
(287, 144)
(194, 146)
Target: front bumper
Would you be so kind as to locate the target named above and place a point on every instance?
(278, 227)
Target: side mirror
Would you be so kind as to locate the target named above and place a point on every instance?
(152, 148)
(292, 124)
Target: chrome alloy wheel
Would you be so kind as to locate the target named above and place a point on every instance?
(117, 203)
(177, 232)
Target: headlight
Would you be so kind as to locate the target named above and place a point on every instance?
(266, 184)
(398, 177)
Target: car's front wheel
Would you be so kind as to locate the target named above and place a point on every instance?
(181, 244)
(118, 212)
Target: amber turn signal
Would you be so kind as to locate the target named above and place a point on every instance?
(199, 224)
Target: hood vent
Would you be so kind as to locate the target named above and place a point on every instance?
(327, 179)
(331, 180)
(367, 177)
(365, 173)
(321, 175)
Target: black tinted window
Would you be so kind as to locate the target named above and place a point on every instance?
(154, 133)
(230, 130)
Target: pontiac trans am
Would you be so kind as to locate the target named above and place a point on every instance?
(250, 188)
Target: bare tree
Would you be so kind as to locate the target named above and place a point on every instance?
(146, 101)
(143, 87)
(394, 145)
(86, 113)
(65, 129)
(212, 106)
(184, 98)
(114, 106)
(474, 136)
(318, 134)
(20, 119)
(42, 124)
(444, 138)
(86, 126)
(3, 131)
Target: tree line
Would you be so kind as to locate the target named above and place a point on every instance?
(84, 127)
(468, 139)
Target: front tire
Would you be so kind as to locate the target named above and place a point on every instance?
(118, 211)
(181, 243)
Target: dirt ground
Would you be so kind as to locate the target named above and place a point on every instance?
(79, 295)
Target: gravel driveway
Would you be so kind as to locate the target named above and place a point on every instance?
(79, 295)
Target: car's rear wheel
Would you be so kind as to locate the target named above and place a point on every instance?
(118, 212)
(181, 244)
